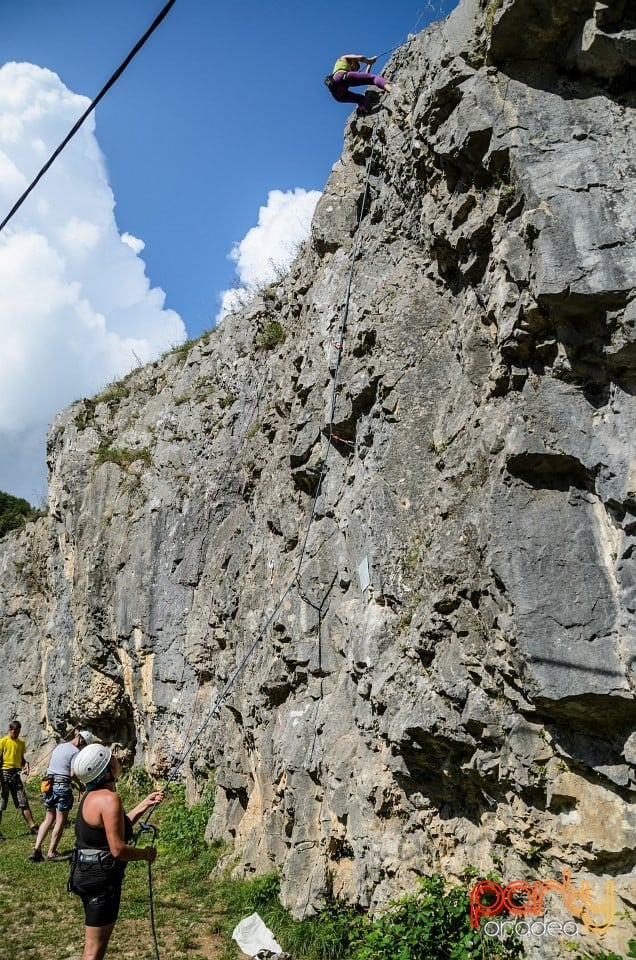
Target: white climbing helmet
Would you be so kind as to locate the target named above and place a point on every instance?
(86, 736)
(91, 762)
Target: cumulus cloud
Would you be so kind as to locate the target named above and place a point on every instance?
(268, 249)
(77, 309)
(133, 242)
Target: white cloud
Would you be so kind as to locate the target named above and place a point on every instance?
(133, 242)
(77, 309)
(268, 249)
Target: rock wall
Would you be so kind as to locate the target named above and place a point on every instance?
(447, 680)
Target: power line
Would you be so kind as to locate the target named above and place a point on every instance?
(102, 93)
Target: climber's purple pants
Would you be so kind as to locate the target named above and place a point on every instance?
(340, 91)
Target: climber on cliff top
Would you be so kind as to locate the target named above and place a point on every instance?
(346, 74)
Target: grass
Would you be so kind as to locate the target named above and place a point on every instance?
(197, 904)
(112, 394)
(122, 456)
(270, 336)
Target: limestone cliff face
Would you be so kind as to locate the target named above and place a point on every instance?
(449, 680)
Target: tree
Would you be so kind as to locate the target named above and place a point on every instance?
(14, 512)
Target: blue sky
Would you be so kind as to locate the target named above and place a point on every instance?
(224, 104)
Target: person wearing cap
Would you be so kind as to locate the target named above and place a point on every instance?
(102, 844)
(13, 762)
(58, 799)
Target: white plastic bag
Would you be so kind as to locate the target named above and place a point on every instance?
(252, 935)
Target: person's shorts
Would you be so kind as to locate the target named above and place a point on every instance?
(102, 909)
(97, 880)
(59, 798)
(12, 784)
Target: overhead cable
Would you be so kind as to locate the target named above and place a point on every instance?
(102, 93)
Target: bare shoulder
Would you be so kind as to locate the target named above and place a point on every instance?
(111, 801)
(103, 803)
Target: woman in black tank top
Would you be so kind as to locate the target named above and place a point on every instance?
(102, 845)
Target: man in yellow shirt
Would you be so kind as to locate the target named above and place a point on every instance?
(13, 762)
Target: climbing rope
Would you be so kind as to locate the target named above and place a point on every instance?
(145, 825)
(102, 93)
(151, 910)
(411, 35)
(339, 343)
(294, 583)
(220, 698)
(187, 750)
(340, 349)
(332, 437)
(233, 452)
(149, 828)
